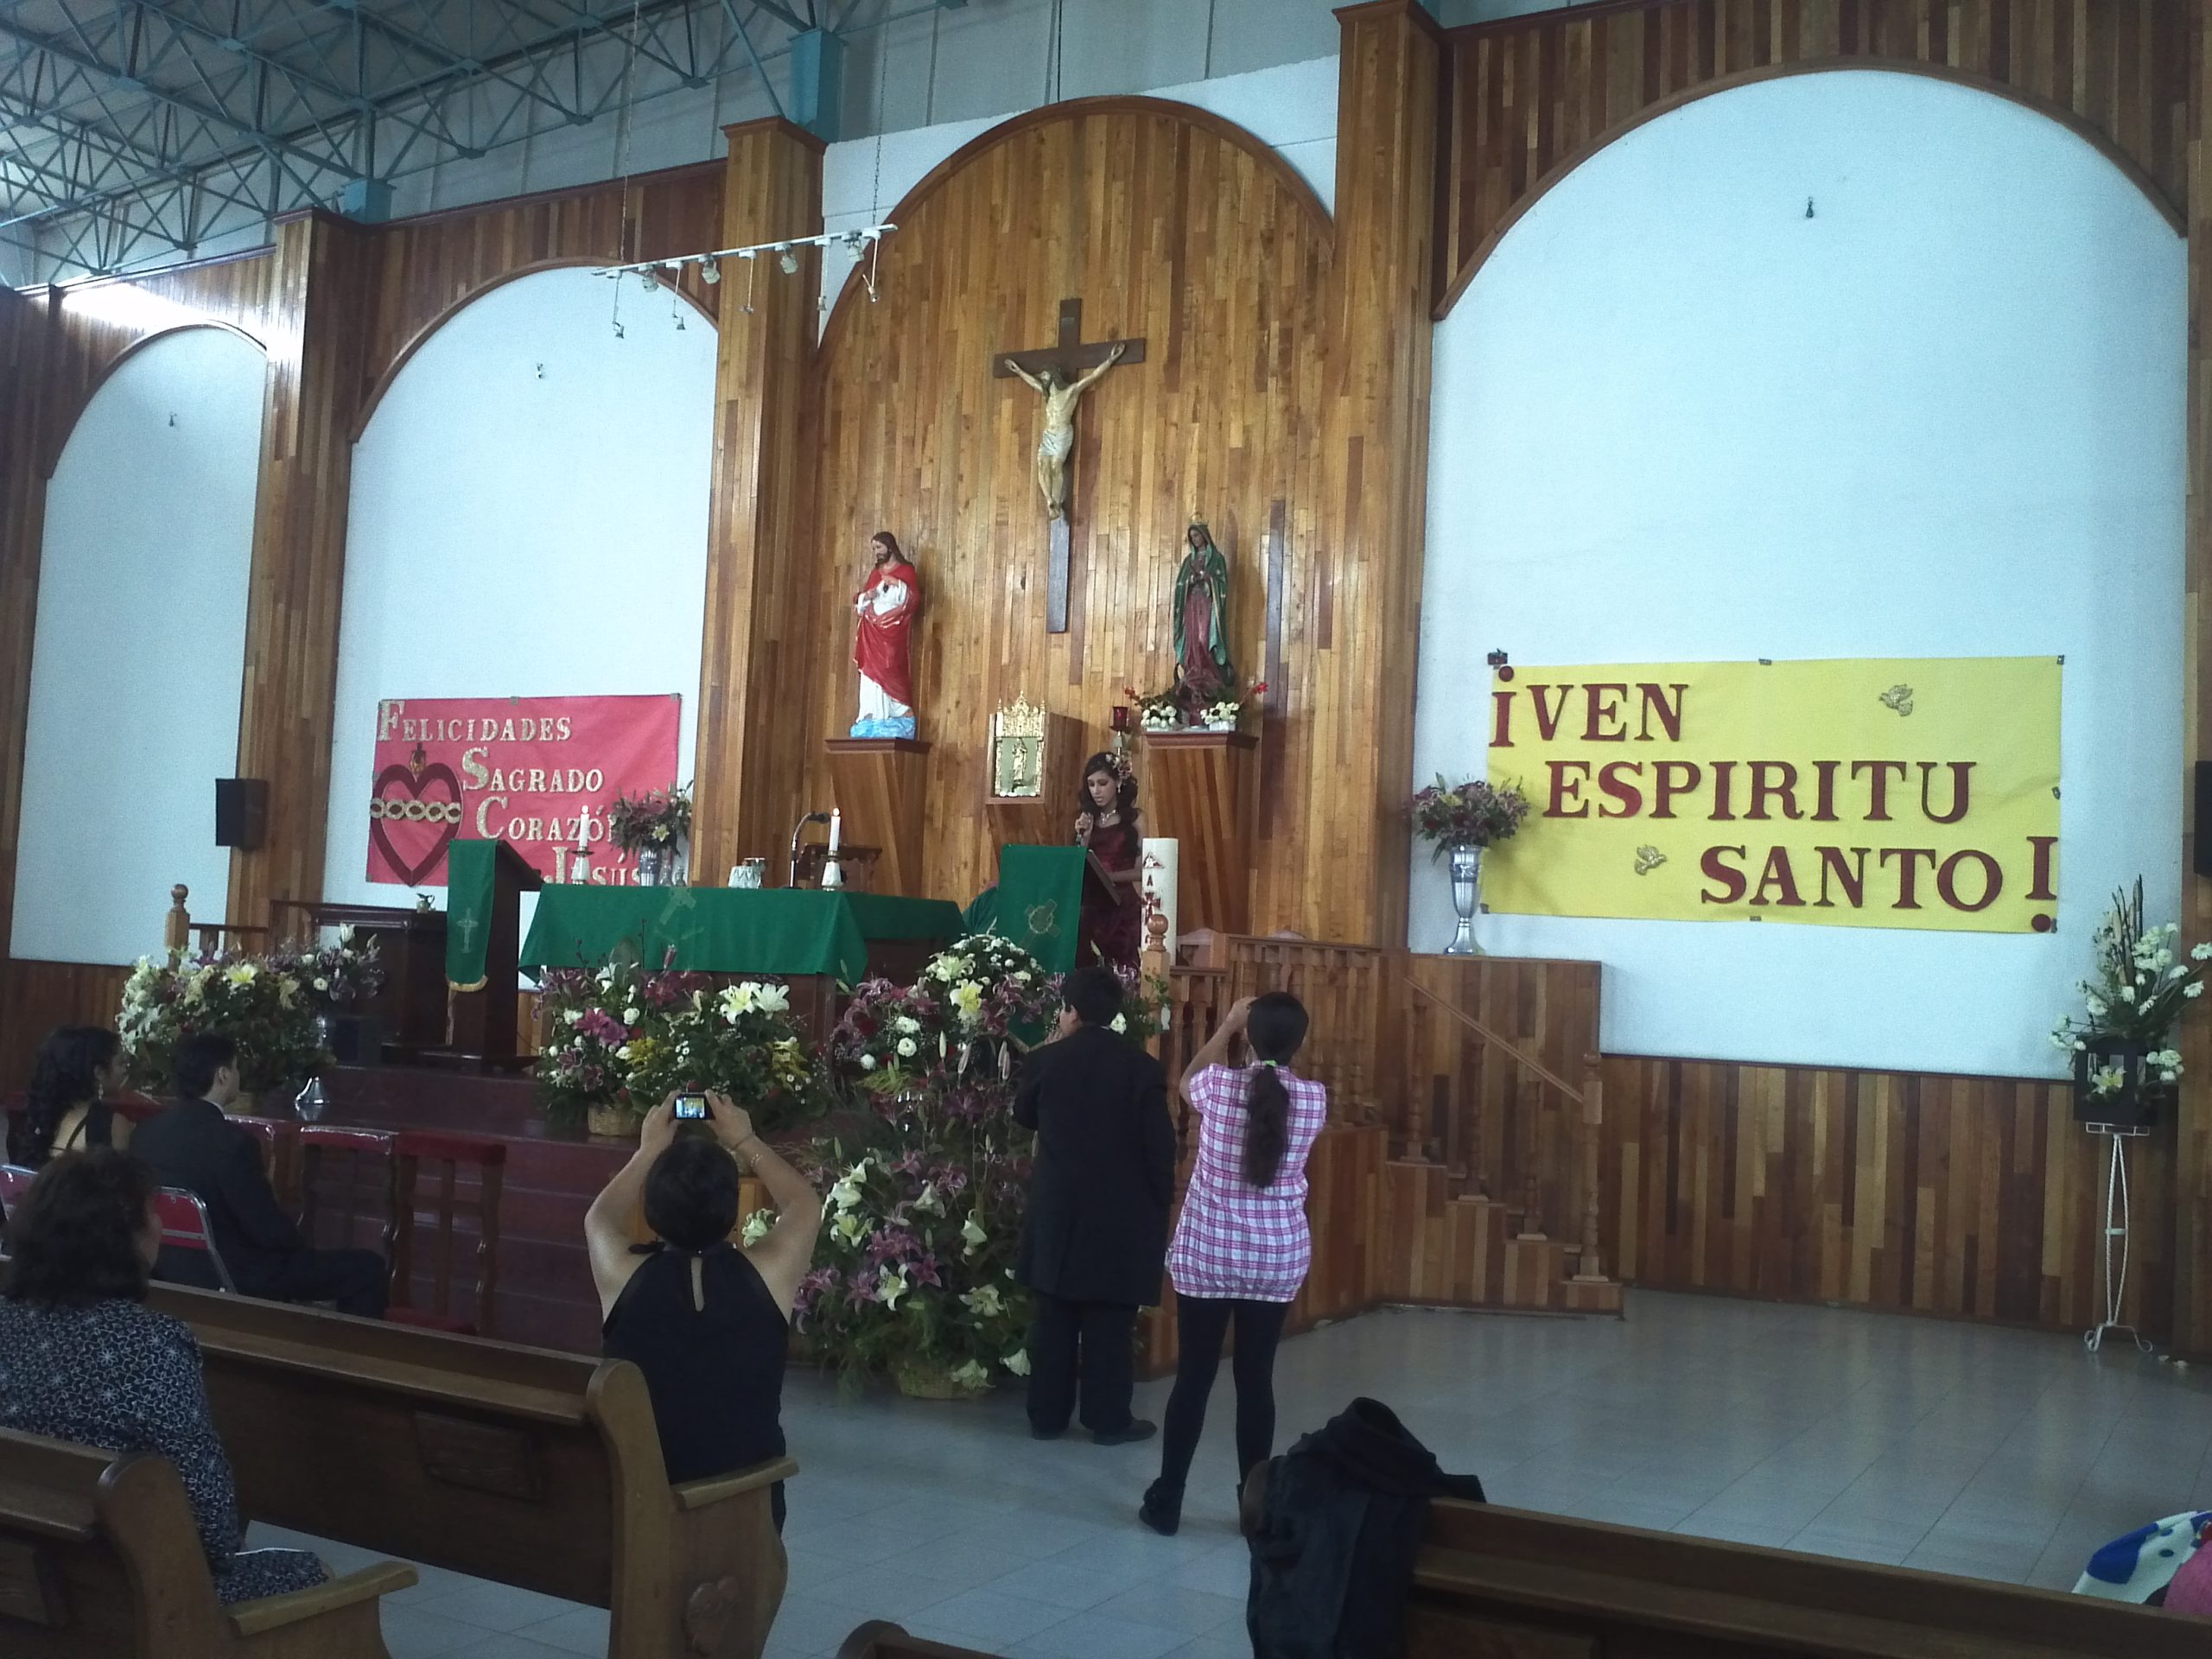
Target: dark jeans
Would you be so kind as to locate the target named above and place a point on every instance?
(1201, 1322)
(357, 1280)
(1104, 1331)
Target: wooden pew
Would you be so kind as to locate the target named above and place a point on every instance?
(1506, 1584)
(517, 1465)
(99, 1559)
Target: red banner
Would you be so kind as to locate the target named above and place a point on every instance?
(536, 772)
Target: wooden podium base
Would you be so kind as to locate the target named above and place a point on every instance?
(1198, 788)
(878, 783)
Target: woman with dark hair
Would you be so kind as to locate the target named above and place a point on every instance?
(707, 1322)
(65, 1107)
(84, 1359)
(1242, 1247)
(1108, 822)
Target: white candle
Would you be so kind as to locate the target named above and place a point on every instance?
(837, 828)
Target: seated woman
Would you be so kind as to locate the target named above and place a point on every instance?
(77, 1069)
(83, 1360)
(708, 1322)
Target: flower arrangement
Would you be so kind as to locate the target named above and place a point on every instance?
(1144, 1005)
(2141, 987)
(915, 1272)
(1157, 711)
(624, 1036)
(1227, 711)
(267, 1003)
(659, 818)
(1474, 814)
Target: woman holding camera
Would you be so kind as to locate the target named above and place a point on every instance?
(705, 1320)
(1242, 1246)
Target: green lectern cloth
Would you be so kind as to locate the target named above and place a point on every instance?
(468, 910)
(782, 930)
(1039, 901)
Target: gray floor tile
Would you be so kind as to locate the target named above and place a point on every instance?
(495, 1606)
(1198, 1612)
(580, 1629)
(984, 1619)
(1091, 1636)
(412, 1635)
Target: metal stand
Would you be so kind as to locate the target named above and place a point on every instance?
(2115, 1237)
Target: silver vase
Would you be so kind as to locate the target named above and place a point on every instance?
(1466, 875)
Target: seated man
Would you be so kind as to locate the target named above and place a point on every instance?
(192, 1145)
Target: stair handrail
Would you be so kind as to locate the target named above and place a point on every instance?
(1507, 1043)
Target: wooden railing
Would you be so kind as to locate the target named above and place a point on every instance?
(179, 930)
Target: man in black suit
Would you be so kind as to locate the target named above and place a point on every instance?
(193, 1146)
(1094, 1240)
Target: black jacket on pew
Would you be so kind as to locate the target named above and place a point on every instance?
(1097, 1229)
(193, 1146)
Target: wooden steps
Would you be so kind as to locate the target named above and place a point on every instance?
(1435, 1245)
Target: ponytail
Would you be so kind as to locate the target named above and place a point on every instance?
(1266, 1124)
(1274, 1028)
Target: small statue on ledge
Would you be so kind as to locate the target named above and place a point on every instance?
(1204, 672)
(883, 644)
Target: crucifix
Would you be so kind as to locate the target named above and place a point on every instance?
(1061, 374)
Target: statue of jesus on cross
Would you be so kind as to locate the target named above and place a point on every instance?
(1061, 374)
(1059, 442)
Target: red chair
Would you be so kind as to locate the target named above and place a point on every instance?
(410, 1150)
(319, 1143)
(15, 1181)
(184, 1227)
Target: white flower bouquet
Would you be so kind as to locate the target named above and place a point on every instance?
(2122, 1042)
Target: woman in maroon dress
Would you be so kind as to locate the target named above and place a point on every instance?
(1108, 822)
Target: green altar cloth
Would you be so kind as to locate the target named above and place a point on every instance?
(782, 930)
(468, 910)
(1038, 902)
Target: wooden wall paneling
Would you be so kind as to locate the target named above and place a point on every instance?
(1531, 97)
(2192, 1167)
(36, 996)
(426, 268)
(1971, 1198)
(1374, 469)
(1342, 988)
(763, 594)
(287, 712)
(1171, 225)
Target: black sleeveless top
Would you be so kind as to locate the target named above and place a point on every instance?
(716, 1375)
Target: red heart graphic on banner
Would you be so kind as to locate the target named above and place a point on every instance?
(419, 819)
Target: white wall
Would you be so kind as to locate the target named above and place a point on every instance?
(1674, 418)
(140, 649)
(1291, 108)
(529, 520)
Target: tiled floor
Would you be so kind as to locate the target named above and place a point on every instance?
(1996, 1454)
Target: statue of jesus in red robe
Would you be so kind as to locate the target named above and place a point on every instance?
(883, 647)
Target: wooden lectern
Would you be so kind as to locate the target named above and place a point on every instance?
(485, 1013)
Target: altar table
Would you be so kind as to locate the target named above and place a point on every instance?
(786, 932)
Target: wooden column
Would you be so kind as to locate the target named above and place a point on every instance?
(2191, 1256)
(1374, 443)
(753, 717)
(879, 784)
(287, 717)
(1201, 793)
(25, 327)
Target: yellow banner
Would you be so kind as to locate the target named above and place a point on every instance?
(1906, 792)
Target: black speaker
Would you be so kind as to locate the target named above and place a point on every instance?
(241, 812)
(2202, 818)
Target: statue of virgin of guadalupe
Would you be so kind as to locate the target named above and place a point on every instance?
(1203, 670)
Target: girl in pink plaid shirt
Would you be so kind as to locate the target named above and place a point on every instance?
(1242, 1246)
